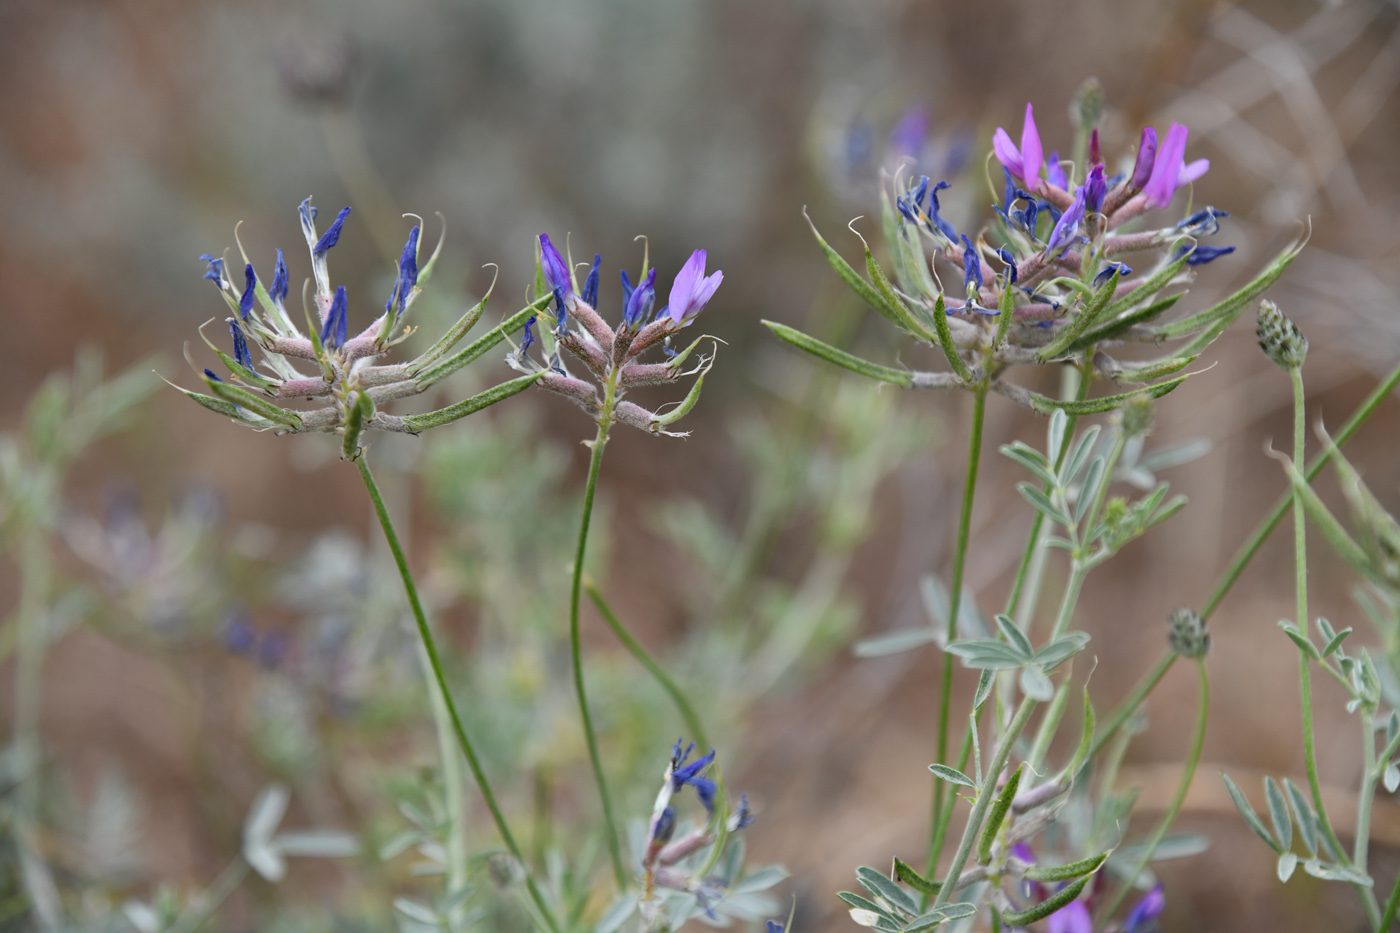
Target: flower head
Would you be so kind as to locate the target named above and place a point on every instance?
(1140, 919)
(691, 290)
(1024, 163)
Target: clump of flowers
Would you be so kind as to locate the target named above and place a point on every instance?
(349, 380)
(611, 355)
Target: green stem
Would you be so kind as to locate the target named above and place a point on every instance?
(692, 721)
(1391, 904)
(945, 700)
(1300, 528)
(1246, 553)
(1368, 793)
(208, 901)
(1079, 569)
(435, 659)
(595, 464)
(1188, 774)
(984, 799)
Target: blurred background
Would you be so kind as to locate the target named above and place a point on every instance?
(218, 610)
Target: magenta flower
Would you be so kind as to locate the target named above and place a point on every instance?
(1025, 162)
(1170, 171)
(1071, 918)
(692, 289)
(1146, 158)
(556, 272)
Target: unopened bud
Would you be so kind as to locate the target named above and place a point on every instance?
(1279, 337)
(1137, 415)
(1187, 635)
(1087, 110)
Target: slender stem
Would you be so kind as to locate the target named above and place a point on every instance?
(1079, 569)
(595, 464)
(451, 780)
(435, 659)
(1368, 791)
(1188, 774)
(984, 799)
(945, 699)
(692, 721)
(1246, 553)
(1300, 528)
(1391, 904)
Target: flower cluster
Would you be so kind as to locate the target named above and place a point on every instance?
(1070, 269)
(664, 858)
(349, 381)
(611, 354)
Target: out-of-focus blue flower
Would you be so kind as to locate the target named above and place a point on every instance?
(215, 272)
(1072, 918)
(332, 234)
(772, 926)
(590, 285)
(744, 817)
(1146, 911)
(664, 828)
(272, 649)
(691, 290)
(1107, 271)
(556, 273)
(1067, 228)
(245, 302)
(279, 280)
(241, 356)
(1203, 223)
(1055, 172)
(333, 331)
(911, 205)
(1024, 163)
(683, 774)
(972, 267)
(640, 300)
(238, 635)
(908, 136)
(1095, 188)
(1146, 158)
(1200, 255)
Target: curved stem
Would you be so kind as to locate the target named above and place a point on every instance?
(1188, 774)
(435, 660)
(945, 699)
(984, 799)
(595, 464)
(1391, 904)
(1246, 554)
(692, 721)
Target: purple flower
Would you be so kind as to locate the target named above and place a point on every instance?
(408, 273)
(1146, 158)
(279, 279)
(527, 340)
(640, 300)
(245, 303)
(1095, 155)
(1200, 255)
(907, 137)
(691, 290)
(972, 267)
(215, 272)
(239, 636)
(241, 356)
(1170, 170)
(333, 331)
(1023, 852)
(1025, 162)
(1107, 272)
(1055, 172)
(590, 285)
(1145, 911)
(1067, 229)
(1071, 918)
(1005, 256)
(1095, 190)
(683, 774)
(772, 926)
(332, 234)
(1204, 222)
(212, 375)
(556, 273)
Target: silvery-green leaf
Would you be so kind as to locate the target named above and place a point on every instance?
(1300, 639)
(1042, 504)
(880, 886)
(1061, 649)
(984, 689)
(142, 916)
(1031, 459)
(1335, 642)
(988, 654)
(1088, 490)
(1014, 636)
(864, 918)
(1055, 435)
(760, 880)
(1326, 872)
(1035, 684)
(400, 844)
(1175, 455)
(952, 775)
(895, 642)
(1391, 778)
(1287, 862)
(416, 911)
(265, 813)
(266, 860)
(1078, 455)
(1250, 817)
(1278, 814)
(858, 902)
(1303, 812)
(317, 843)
